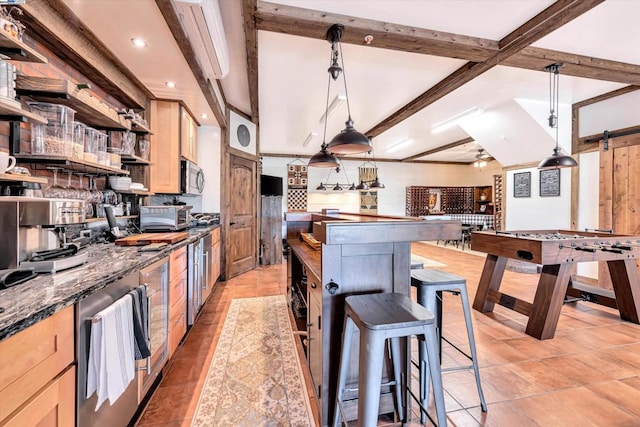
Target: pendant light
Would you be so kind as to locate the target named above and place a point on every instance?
(349, 140)
(557, 159)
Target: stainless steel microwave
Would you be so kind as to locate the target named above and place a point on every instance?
(192, 178)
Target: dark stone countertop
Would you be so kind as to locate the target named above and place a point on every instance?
(26, 304)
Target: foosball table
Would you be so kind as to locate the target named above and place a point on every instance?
(557, 251)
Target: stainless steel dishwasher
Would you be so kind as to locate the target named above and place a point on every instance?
(156, 278)
(121, 412)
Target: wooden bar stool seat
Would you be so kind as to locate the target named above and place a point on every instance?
(379, 317)
(430, 284)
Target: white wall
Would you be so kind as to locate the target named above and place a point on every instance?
(615, 113)
(395, 176)
(588, 201)
(535, 212)
(209, 160)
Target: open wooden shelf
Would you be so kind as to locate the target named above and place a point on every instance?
(13, 110)
(18, 51)
(8, 177)
(69, 163)
(140, 128)
(136, 192)
(89, 109)
(134, 160)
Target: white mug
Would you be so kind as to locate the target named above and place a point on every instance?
(7, 162)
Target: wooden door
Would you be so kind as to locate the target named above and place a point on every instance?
(241, 241)
(619, 191)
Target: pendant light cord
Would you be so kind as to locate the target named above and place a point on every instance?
(344, 79)
(326, 108)
(554, 77)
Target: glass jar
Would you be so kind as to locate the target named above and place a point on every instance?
(38, 136)
(103, 156)
(143, 147)
(114, 157)
(59, 133)
(90, 145)
(129, 143)
(77, 141)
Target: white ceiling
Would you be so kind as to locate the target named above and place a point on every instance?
(293, 77)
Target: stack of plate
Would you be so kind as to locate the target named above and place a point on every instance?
(138, 186)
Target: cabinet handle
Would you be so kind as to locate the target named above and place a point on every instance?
(232, 223)
(314, 285)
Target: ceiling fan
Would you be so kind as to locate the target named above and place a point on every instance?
(481, 159)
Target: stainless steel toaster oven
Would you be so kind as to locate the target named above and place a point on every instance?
(164, 218)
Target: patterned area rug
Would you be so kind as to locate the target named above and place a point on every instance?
(255, 377)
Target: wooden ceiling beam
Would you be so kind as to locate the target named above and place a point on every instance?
(52, 24)
(249, 8)
(170, 14)
(314, 24)
(439, 149)
(539, 26)
(576, 65)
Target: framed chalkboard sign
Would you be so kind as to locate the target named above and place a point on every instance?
(522, 184)
(549, 182)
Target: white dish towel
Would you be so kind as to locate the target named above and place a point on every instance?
(111, 365)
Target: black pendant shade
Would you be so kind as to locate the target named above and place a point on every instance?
(362, 186)
(377, 184)
(323, 159)
(557, 160)
(350, 141)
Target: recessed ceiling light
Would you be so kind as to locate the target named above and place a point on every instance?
(204, 116)
(170, 84)
(138, 42)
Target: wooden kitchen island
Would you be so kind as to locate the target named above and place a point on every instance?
(358, 254)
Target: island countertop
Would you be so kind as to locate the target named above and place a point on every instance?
(26, 304)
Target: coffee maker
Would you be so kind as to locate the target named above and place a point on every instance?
(32, 227)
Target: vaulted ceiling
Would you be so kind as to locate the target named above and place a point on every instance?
(427, 61)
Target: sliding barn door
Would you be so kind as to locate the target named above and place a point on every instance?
(619, 191)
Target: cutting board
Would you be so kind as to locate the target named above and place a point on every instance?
(148, 238)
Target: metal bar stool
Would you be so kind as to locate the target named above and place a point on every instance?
(430, 284)
(380, 317)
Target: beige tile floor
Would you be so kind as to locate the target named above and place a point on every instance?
(588, 375)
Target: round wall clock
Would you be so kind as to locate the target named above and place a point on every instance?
(244, 138)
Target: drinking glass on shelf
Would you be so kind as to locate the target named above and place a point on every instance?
(85, 195)
(96, 197)
(70, 191)
(55, 190)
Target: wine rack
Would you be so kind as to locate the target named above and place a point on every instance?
(417, 201)
(455, 200)
(497, 201)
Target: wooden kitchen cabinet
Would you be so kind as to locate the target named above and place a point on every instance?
(314, 333)
(164, 172)
(188, 136)
(177, 298)
(53, 406)
(30, 360)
